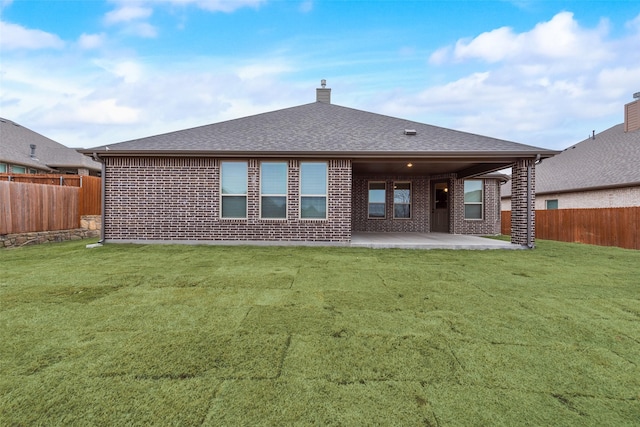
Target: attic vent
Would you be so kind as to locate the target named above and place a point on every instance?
(410, 132)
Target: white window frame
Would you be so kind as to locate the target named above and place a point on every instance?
(481, 202)
(409, 203)
(384, 203)
(245, 195)
(325, 195)
(285, 195)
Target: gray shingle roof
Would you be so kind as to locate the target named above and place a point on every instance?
(318, 128)
(609, 160)
(15, 142)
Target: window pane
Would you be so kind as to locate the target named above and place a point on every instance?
(552, 204)
(402, 192)
(402, 196)
(376, 196)
(473, 211)
(313, 178)
(234, 177)
(3, 167)
(234, 206)
(473, 191)
(402, 211)
(376, 210)
(18, 169)
(274, 207)
(273, 178)
(313, 207)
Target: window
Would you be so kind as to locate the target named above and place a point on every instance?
(313, 190)
(473, 199)
(3, 167)
(552, 204)
(402, 200)
(273, 190)
(233, 189)
(18, 169)
(377, 198)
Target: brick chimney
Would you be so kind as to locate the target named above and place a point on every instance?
(323, 94)
(632, 114)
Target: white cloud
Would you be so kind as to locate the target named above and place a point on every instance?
(306, 6)
(221, 5)
(91, 41)
(15, 37)
(262, 69)
(127, 13)
(560, 38)
(129, 71)
(132, 19)
(142, 29)
(90, 112)
(634, 24)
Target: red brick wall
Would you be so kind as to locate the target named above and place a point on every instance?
(419, 221)
(490, 223)
(519, 212)
(421, 206)
(153, 198)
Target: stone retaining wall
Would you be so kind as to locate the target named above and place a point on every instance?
(90, 224)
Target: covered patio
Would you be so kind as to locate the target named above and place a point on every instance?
(427, 241)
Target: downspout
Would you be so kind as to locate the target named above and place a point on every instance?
(103, 186)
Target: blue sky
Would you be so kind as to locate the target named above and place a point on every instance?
(93, 72)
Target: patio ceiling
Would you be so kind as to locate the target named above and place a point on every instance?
(464, 168)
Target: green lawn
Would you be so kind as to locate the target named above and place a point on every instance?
(206, 335)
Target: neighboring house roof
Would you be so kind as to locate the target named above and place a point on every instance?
(15, 148)
(609, 159)
(321, 128)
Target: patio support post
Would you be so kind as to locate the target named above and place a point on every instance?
(523, 203)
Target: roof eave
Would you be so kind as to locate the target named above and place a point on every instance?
(327, 154)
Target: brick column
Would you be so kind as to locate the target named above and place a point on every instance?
(522, 215)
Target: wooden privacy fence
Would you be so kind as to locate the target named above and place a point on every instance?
(29, 207)
(604, 226)
(90, 193)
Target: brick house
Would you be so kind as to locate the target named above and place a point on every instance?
(316, 172)
(25, 151)
(599, 172)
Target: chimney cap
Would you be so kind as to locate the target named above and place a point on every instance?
(636, 95)
(323, 83)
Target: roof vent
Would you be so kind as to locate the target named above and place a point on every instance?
(410, 132)
(33, 150)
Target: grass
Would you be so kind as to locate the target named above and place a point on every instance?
(204, 335)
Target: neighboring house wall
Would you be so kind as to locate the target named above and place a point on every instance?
(178, 199)
(609, 198)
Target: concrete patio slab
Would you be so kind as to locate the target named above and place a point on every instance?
(427, 241)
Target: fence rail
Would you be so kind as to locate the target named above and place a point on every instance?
(29, 208)
(603, 226)
(90, 187)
